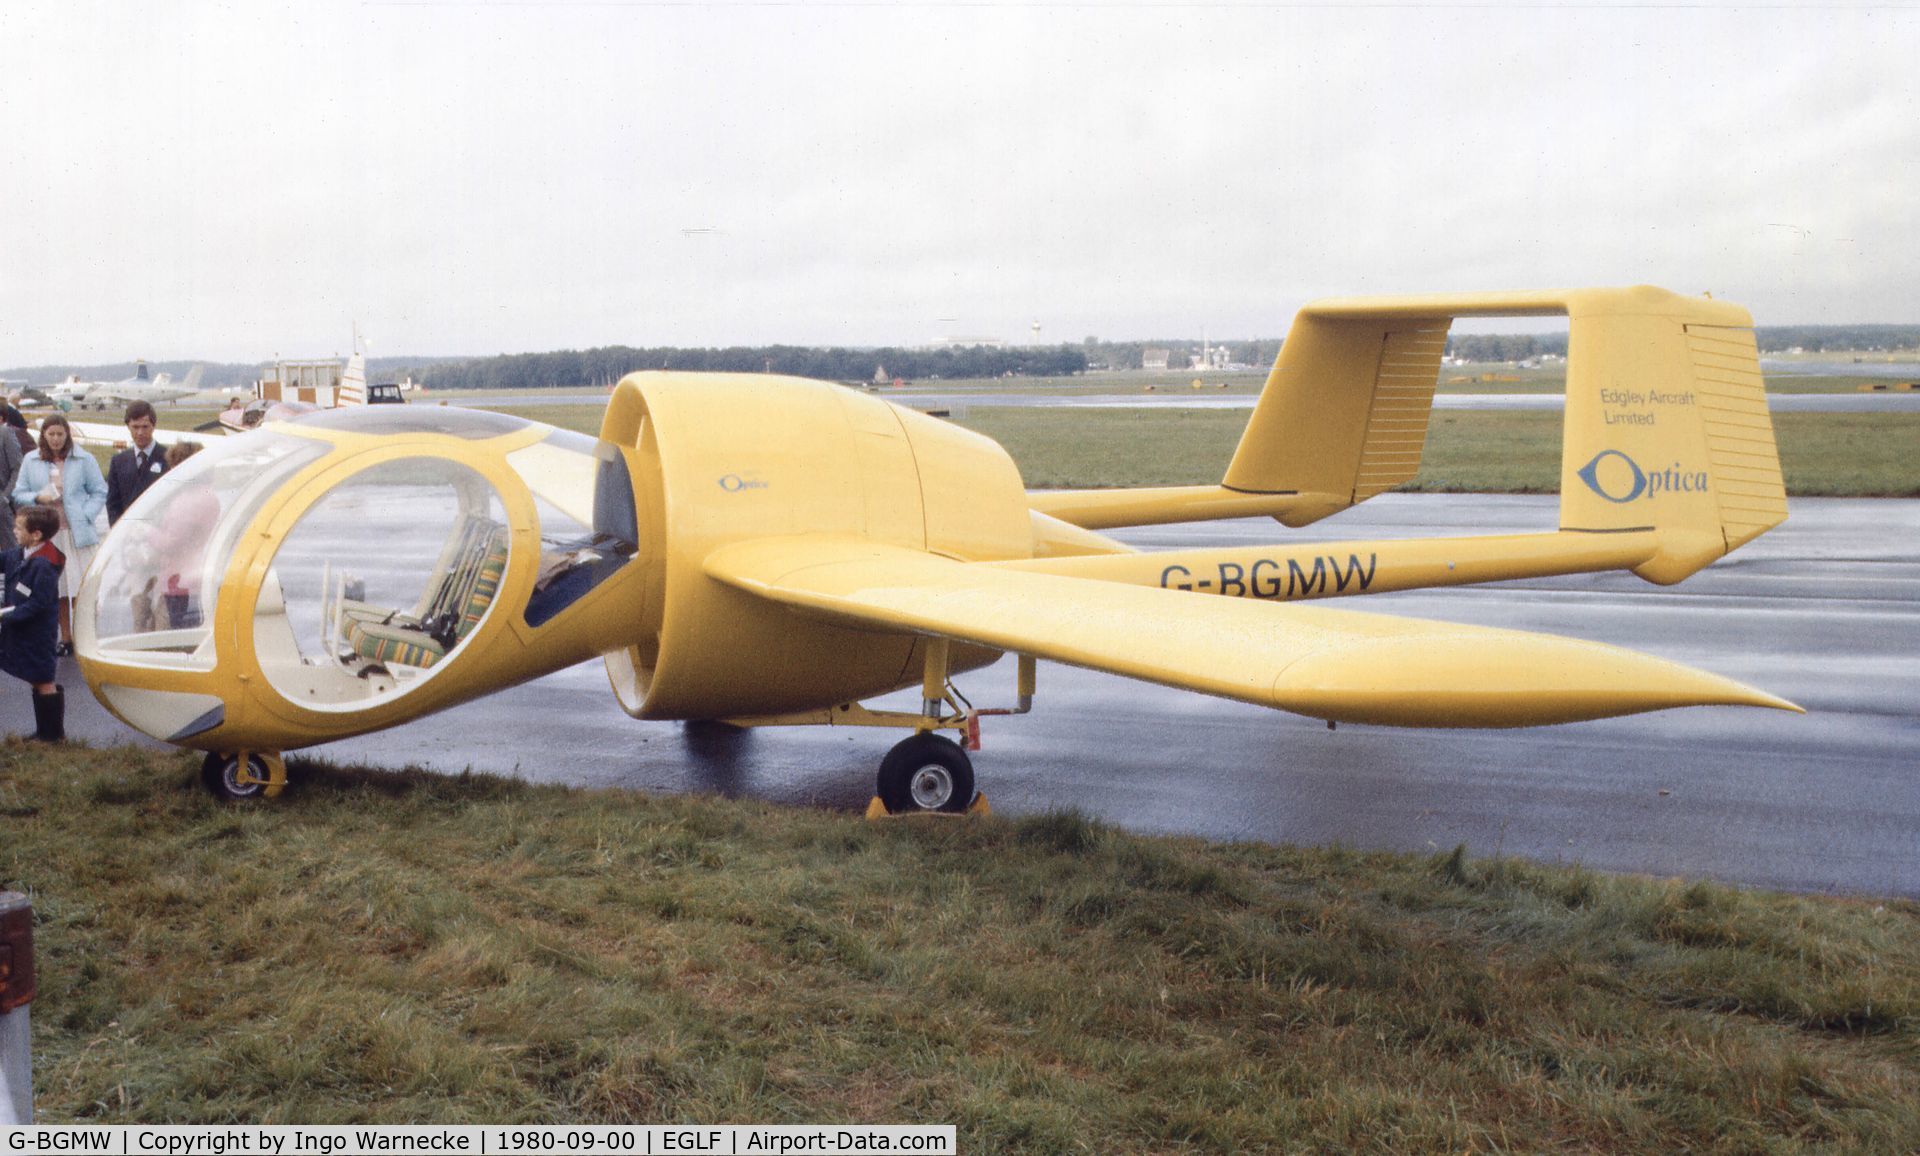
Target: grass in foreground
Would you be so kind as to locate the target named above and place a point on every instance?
(414, 948)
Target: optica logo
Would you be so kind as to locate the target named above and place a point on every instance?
(1618, 478)
(1618, 488)
(734, 483)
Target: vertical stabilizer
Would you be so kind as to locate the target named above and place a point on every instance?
(1344, 413)
(353, 382)
(1667, 427)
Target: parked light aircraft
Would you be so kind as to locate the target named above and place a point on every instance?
(139, 387)
(768, 550)
(275, 400)
(238, 418)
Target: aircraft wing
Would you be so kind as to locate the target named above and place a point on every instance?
(115, 437)
(1333, 664)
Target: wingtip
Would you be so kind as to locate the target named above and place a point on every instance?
(1740, 694)
(1485, 678)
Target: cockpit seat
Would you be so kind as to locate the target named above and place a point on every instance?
(460, 602)
(389, 644)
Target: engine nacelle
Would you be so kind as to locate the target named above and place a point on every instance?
(725, 458)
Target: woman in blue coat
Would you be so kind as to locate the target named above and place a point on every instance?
(60, 475)
(31, 572)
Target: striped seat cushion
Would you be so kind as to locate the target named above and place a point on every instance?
(394, 644)
(485, 585)
(401, 641)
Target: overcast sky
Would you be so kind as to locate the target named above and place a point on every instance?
(235, 180)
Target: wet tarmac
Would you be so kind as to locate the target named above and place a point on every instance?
(1825, 611)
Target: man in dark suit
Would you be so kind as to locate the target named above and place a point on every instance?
(138, 466)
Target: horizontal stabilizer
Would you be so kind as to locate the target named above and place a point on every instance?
(1331, 664)
(1157, 505)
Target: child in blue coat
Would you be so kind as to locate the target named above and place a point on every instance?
(29, 616)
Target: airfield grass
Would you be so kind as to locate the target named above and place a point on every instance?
(413, 948)
(1826, 454)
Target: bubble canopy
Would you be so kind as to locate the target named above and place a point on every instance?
(369, 547)
(151, 594)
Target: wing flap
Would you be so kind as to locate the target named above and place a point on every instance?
(1332, 664)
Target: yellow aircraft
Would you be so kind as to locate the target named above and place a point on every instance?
(769, 550)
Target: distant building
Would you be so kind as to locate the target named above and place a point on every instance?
(1154, 358)
(969, 343)
(316, 382)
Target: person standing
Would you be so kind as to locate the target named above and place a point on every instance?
(31, 572)
(11, 455)
(138, 466)
(16, 424)
(54, 475)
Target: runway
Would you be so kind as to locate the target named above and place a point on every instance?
(1824, 610)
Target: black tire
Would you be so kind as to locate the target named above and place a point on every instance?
(220, 774)
(926, 773)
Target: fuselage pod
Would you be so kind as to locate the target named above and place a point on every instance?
(359, 568)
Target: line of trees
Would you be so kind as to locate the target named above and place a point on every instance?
(603, 366)
(1506, 346)
(1838, 338)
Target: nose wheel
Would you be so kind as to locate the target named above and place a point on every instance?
(243, 775)
(926, 772)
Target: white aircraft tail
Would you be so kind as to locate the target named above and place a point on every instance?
(353, 382)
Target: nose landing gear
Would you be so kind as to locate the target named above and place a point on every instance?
(243, 775)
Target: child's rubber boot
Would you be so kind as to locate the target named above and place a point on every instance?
(50, 716)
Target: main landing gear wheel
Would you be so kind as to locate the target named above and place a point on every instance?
(927, 772)
(238, 778)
